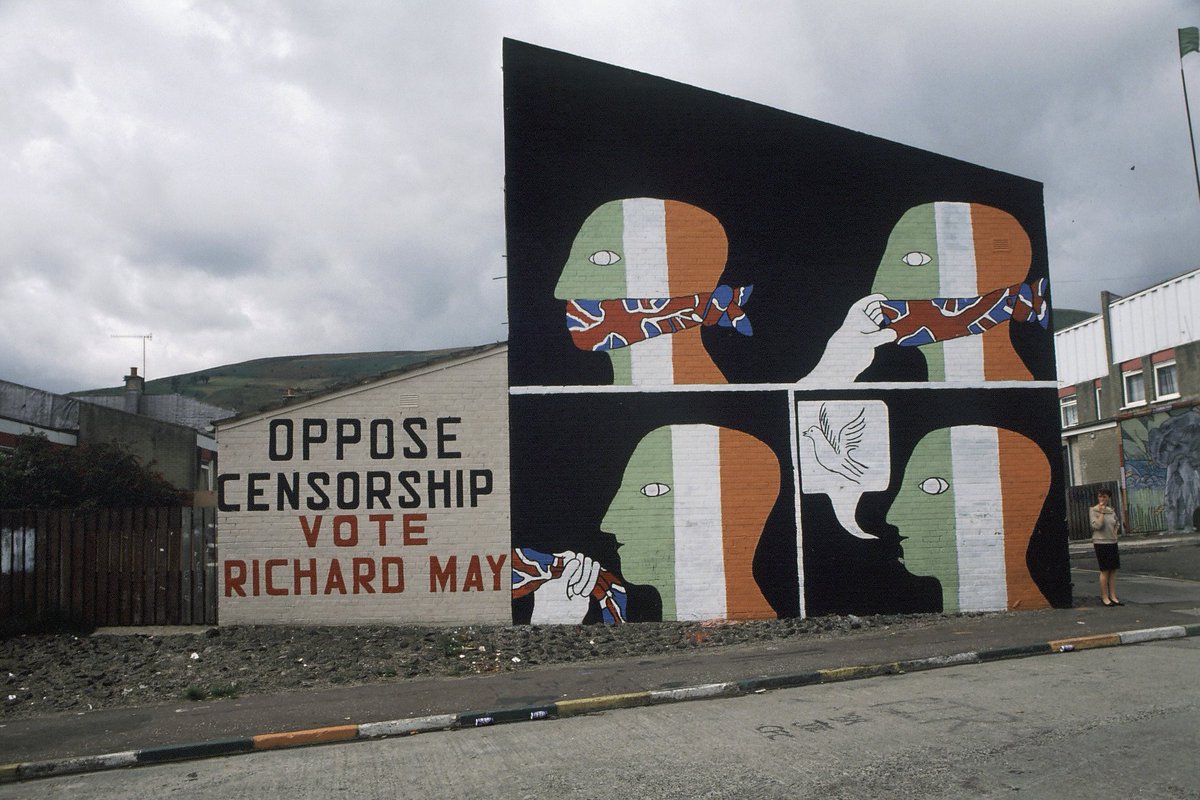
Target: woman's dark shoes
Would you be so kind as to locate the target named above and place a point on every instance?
(1117, 603)
(1107, 604)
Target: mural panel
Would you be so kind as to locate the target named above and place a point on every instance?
(764, 366)
(1162, 470)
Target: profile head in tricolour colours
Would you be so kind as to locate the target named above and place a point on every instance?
(966, 511)
(641, 280)
(688, 516)
(952, 274)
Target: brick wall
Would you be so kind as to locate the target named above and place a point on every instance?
(387, 503)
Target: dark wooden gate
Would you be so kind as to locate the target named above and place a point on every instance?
(1079, 500)
(107, 567)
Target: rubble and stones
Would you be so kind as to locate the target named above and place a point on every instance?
(44, 674)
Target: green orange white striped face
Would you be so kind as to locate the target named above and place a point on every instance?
(952, 250)
(951, 511)
(956, 250)
(644, 247)
(682, 531)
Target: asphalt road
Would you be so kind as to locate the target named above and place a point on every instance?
(1119, 722)
(1178, 561)
(1149, 573)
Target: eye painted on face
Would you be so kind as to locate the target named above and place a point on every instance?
(916, 258)
(933, 485)
(655, 489)
(604, 258)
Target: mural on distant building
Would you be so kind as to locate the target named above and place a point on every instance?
(728, 338)
(1162, 470)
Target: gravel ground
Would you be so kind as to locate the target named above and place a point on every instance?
(46, 674)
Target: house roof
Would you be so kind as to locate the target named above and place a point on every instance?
(441, 357)
(175, 408)
(38, 407)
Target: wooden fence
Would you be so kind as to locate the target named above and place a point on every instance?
(109, 567)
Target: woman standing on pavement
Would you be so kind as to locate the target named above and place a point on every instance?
(1105, 527)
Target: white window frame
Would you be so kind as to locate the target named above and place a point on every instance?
(1069, 402)
(206, 476)
(1174, 379)
(1125, 376)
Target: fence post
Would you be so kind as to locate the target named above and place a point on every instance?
(43, 602)
(125, 544)
(185, 565)
(6, 603)
(90, 575)
(162, 538)
(210, 566)
(62, 560)
(174, 534)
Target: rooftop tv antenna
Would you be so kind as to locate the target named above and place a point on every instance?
(143, 337)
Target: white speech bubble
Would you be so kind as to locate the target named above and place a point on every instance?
(844, 451)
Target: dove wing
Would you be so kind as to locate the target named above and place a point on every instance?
(826, 428)
(851, 433)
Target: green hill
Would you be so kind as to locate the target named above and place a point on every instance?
(251, 385)
(1066, 317)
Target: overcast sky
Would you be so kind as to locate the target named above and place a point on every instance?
(262, 178)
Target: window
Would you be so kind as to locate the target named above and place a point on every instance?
(1165, 386)
(1070, 411)
(1135, 388)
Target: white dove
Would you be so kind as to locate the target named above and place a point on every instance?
(834, 453)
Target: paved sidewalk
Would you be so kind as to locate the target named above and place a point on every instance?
(188, 730)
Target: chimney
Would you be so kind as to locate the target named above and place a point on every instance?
(135, 387)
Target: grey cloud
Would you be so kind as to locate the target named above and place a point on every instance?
(248, 180)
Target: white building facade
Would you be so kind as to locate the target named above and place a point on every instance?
(382, 503)
(1129, 383)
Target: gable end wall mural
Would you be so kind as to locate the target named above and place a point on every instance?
(763, 366)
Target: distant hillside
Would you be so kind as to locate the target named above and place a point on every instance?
(1066, 317)
(251, 385)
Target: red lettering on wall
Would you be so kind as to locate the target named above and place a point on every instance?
(310, 573)
(334, 580)
(345, 521)
(389, 586)
(439, 577)
(311, 532)
(474, 577)
(497, 564)
(364, 573)
(411, 528)
(367, 576)
(235, 577)
(270, 564)
(383, 520)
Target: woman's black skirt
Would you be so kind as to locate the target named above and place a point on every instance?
(1108, 556)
